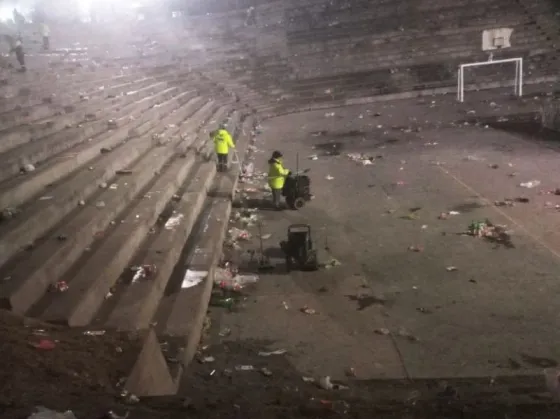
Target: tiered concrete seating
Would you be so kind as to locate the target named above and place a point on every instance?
(337, 52)
(93, 163)
(106, 185)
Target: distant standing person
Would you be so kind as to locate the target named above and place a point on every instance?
(251, 19)
(276, 177)
(222, 143)
(19, 20)
(45, 33)
(16, 46)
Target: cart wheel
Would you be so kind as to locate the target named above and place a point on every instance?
(298, 203)
(311, 263)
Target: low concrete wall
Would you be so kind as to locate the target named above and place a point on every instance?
(150, 375)
(550, 116)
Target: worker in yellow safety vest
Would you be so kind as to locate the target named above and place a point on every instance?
(276, 177)
(222, 143)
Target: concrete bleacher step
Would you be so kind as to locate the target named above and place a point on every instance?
(73, 115)
(37, 151)
(69, 106)
(15, 191)
(35, 89)
(46, 262)
(91, 282)
(137, 303)
(185, 315)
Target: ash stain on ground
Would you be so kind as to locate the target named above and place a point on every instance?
(365, 301)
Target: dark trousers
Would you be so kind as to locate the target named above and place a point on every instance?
(46, 43)
(20, 56)
(277, 197)
(222, 162)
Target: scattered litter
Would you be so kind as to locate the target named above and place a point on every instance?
(331, 263)
(226, 281)
(451, 269)
(319, 133)
(27, 168)
(307, 310)
(193, 278)
(45, 344)
(105, 150)
(173, 221)
(350, 372)
(226, 331)
(431, 144)
(81, 202)
(8, 213)
(100, 204)
(59, 286)
(285, 305)
(445, 215)
(530, 184)
(361, 158)
(329, 177)
(424, 227)
(493, 166)
(511, 202)
(313, 157)
(266, 372)
(504, 203)
(498, 233)
(424, 310)
(551, 205)
(382, 331)
(244, 368)
(207, 360)
(113, 186)
(103, 185)
(329, 114)
(129, 397)
(223, 302)
(94, 332)
(415, 248)
(46, 198)
(238, 234)
(143, 272)
(326, 384)
(124, 172)
(266, 236)
(473, 158)
(112, 415)
(44, 413)
(276, 352)
(308, 379)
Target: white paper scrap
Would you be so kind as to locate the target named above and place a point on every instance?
(193, 278)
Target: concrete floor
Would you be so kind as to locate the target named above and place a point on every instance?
(495, 315)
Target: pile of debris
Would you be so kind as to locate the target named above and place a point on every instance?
(362, 159)
(496, 233)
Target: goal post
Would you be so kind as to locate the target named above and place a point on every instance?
(518, 85)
